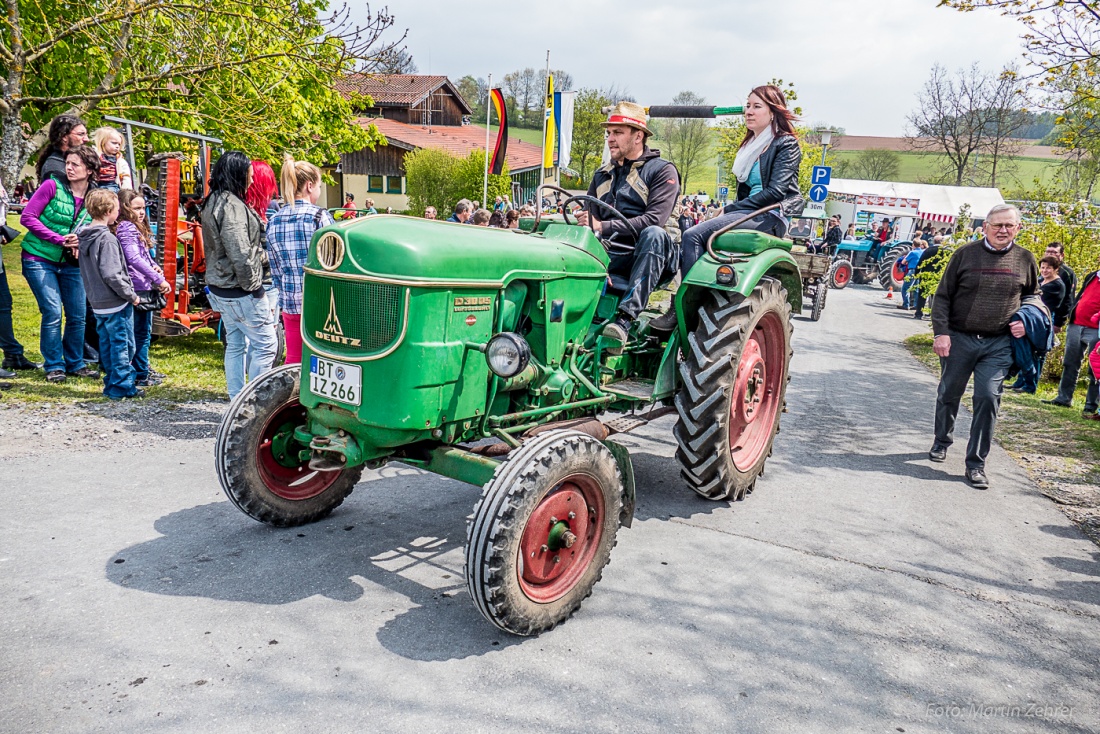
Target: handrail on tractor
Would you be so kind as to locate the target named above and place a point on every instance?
(718, 233)
(538, 203)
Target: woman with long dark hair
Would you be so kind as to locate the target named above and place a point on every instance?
(235, 266)
(52, 218)
(766, 168)
(66, 132)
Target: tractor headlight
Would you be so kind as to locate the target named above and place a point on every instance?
(507, 354)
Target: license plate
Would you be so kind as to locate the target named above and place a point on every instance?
(335, 380)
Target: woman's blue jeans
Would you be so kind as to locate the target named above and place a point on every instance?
(143, 333)
(59, 291)
(250, 339)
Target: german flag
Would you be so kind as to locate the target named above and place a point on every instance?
(496, 165)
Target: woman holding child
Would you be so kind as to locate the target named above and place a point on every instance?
(52, 217)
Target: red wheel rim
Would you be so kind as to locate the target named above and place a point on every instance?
(754, 401)
(548, 568)
(895, 272)
(291, 483)
(842, 275)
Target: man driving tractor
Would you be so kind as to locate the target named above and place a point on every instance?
(644, 188)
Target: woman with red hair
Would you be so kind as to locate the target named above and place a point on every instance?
(262, 190)
(766, 168)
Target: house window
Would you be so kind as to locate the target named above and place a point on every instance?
(374, 184)
(393, 184)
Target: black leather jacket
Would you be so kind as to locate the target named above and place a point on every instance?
(778, 175)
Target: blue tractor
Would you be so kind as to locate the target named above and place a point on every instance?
(866, 261)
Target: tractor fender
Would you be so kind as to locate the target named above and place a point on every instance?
(774, 263)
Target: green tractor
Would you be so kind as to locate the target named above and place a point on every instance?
(476, 354)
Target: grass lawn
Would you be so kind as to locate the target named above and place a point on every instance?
(193, 364)
(1059, 449)
(534, 137)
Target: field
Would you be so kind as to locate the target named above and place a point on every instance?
(534, 137)
(923, 168)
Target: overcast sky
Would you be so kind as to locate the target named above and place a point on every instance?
(857, 64)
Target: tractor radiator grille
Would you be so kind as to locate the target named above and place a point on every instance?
(351, 317)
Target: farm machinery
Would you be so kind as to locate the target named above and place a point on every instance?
(866, 261)
(477, 354)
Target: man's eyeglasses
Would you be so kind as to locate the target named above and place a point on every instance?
(1001, 226)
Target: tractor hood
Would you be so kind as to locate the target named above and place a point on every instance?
(412, 251)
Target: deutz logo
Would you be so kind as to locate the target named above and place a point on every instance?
(333, 332)
(332, 323)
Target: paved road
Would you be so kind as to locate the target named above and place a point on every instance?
(860, 588)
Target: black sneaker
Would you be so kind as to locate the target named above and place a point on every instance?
(7, 374)
(19, 362)
(1057, 402)
(147, 382)
(977, 478)
(153, 374)
(616, 333)
(85, 372)
(134, 394)
(55, 376)
(666, 323)
(938, 453)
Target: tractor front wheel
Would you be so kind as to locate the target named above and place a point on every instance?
(734, 377)
(840, 274)
(543, 531)
(258, 460)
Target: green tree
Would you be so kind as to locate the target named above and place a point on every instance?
(437, 178)
(258, 73)
(588, 134)
(876, 165)
(685, 142)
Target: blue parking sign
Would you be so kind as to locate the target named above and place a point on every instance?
(818, 193)
(821, 175)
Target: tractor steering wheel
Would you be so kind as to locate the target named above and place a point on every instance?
(606, 207)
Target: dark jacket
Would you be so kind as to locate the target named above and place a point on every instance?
(103, 269)
(54, 165)
(833, 236)
(778, 176)
(1028, 350)
(234, 240)
(644, 191)
(1054, 294)
(924, 265)
(1065, 272)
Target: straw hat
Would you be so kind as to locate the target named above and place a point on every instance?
(629, 114)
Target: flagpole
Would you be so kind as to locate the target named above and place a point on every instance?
(545, 90)
(488, 122)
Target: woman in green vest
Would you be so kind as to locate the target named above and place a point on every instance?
(52, 218)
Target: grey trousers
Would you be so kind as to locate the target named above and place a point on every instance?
(1080, 341)
(988, 359)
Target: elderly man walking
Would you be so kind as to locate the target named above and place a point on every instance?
(983, 287)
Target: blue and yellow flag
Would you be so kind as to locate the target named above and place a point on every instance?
(549, 145)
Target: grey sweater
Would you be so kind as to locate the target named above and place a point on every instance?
(103, 269)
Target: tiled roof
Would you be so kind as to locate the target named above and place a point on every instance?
(460, 141)
(398, 90)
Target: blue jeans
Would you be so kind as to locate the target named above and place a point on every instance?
(116, 350)
(58, 289)
(909, 292)
(694, 240)
(249, 325)
(143, 332)
(8, 343)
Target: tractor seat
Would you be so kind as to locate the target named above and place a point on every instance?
(750, 242)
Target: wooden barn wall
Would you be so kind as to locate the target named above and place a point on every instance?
(385, 160)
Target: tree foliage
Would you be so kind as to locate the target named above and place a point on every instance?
(437, 178)
(875, 164)
(685, 142)
(588, 132)
(257, 73)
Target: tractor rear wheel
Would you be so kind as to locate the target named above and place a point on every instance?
(734, 376)
(257, 458)
(889, 272)
(543, 531)
(840, 274)
(819, 302)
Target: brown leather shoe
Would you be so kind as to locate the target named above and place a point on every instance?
(1091, 416)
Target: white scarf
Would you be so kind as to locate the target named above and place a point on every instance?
(750, 153)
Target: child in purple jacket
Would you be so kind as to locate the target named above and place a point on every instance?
(133, 232)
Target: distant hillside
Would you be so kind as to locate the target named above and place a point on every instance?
(870, 142)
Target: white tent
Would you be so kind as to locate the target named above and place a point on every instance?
(937, 203)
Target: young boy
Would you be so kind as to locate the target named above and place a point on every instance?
(110, 293)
